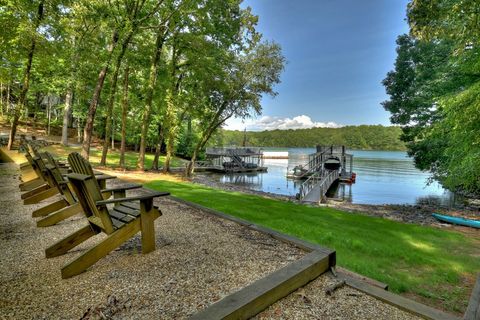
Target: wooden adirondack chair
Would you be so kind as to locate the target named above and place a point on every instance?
(121, 222)
(45, 191)
(68, 205)
(31, 177)
(61, 209)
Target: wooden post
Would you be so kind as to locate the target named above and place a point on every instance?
(147, 225)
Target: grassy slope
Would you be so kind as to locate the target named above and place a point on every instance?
(113, 157)
(430, 263)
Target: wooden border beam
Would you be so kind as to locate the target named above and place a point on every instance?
(473, 309)
(396, 300)
(254, 298)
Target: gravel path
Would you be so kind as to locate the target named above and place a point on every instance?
(199, 260)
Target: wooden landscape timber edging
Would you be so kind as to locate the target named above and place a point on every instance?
(473, 309)
(396, 300)
(257, 296)
(364, 284)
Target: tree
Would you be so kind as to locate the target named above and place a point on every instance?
(434, 87)
(127, 18)
(31, 32)
(250, 76)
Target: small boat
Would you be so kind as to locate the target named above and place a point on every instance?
(457, 220)
(332, 163)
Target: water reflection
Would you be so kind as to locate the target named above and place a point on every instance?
(382, 177)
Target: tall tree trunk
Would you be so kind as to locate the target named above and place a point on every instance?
(8, 98)
(111, 99)
(66, 114)
(113, 133)
(203, 140)
(149, 96)
(158, 148)
(79, 130)
(68, 110)
(49, 114)
(170, 124)
(92, 109)
(216, 122)
(1, 98)
(124, 117)
(26, 78)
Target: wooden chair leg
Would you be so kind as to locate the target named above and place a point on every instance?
(28, 175)
(35, 191)
(24, 165)
(147, 220)
(60, 215)
(32, 184)
(73, 240)
(49, 208)
(90, 257)
(41, 196)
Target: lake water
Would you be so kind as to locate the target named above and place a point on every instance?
(383, 177)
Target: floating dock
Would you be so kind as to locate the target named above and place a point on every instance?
(275, 155)
(323, 169)
(232, 160)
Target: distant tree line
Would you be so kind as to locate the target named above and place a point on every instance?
(434, 90)
(364, 137)
(155, 73)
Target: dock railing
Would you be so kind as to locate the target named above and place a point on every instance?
(323, 179)
(203, 164)
(239, 151)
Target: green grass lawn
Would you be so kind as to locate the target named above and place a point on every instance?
(432, 264)
(113, 157)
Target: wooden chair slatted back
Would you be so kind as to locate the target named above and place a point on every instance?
(88, 191)
(33, 150)
(43, 168)
(33, 163)
(49, 158)
(61, 183)
(79, 165)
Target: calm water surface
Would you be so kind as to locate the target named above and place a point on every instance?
(382, 177)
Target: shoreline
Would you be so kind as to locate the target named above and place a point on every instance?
(420, 214)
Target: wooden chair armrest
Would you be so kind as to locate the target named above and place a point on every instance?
(149, 196)
(78, 176)
(125, 187)
(104, 177)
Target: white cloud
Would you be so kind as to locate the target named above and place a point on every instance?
(272, 123)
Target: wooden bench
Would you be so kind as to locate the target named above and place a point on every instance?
(120, 222)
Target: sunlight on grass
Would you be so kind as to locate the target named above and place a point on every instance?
(113, 157)
(418, 244)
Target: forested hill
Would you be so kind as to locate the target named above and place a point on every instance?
(364, 137)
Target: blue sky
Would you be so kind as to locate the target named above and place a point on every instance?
(338, 52)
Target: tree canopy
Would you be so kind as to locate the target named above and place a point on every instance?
(153, 74)
(435, 89)
(364, 137)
